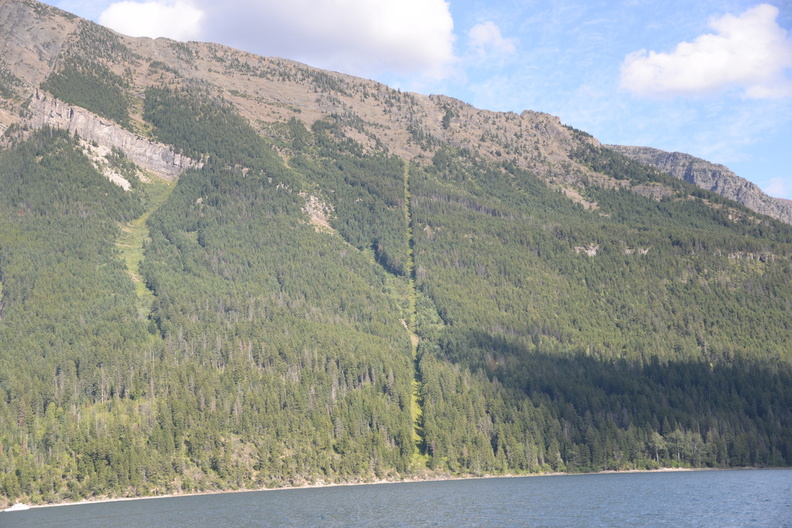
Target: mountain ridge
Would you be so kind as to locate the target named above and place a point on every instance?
(406, 123)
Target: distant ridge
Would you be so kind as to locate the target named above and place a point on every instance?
(712, 177)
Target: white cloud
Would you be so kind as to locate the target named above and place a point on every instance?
(178, 20)
(354, 36)
(487, 37)
(750, 51)
(361, 37)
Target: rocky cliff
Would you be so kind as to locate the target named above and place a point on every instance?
(712, 177)
(150, 155)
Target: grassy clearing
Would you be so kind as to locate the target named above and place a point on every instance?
(133, 237)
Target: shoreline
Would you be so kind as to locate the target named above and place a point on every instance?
(434, 478)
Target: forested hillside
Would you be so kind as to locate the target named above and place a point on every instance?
(327, 298)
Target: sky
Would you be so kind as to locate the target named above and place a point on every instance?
(711, 78)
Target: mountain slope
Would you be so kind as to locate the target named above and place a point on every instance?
(347, 283)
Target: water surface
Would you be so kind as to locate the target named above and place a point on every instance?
(739, 498)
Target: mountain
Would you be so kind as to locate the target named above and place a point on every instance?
(712, 177)
(222, 271)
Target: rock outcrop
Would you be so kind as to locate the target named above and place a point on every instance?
(712, 177)
(46, 110)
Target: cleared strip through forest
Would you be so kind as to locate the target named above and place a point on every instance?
(416, 409)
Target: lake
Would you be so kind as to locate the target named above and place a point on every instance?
(735, 498)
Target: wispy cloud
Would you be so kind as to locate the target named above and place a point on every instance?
(486, 38)
(779, 187)
(750, 52)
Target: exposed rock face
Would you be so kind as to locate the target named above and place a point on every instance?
(158, 158)
(29, 45)
(712, 177)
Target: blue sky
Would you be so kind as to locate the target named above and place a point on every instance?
(712, 78)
